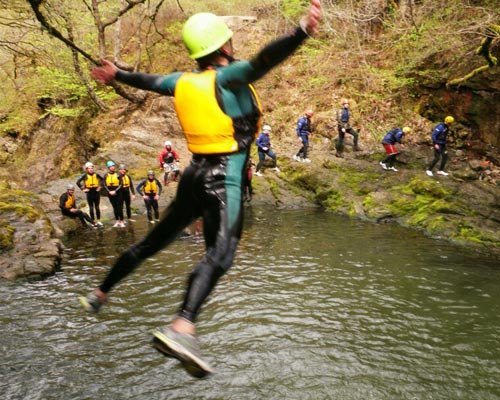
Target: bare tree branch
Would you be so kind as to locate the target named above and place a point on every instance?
(35, 5)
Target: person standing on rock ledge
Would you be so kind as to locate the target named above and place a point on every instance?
(303, 131)
(220, 116)
(92, 184)
(439, 135)
(343, 127)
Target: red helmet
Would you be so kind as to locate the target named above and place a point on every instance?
(309, 113)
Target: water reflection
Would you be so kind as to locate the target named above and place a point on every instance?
(316, 307)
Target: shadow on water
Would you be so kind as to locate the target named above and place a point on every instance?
(316, 306)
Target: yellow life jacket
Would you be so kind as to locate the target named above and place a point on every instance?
(150, 187)
(125, 181)
(70, 201)
(112, 180)
(91, 181)
(208, 130)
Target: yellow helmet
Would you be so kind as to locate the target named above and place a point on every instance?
(205, 33)
(449, 120)
(406, 129)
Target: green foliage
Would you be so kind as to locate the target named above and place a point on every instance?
(6, 236)
(293, 8)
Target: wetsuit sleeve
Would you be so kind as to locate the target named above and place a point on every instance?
(164, 84)
(131, 185)
(244, 72)
(160, 187)
(62, 201)
(79, 181)
(140, 186)
(278, 50)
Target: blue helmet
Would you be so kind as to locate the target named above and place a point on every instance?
(110, 164)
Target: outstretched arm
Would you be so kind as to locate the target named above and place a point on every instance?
(108, 72)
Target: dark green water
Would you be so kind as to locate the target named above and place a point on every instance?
(315, 307)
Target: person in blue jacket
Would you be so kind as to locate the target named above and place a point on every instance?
(263, 143)
(389, 142)
(303, 131)
(220, 116)
(439, 135)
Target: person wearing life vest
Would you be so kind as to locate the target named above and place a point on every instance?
(150, 189)
(303, 131)
(91, 183)
(113, 184)
(263, 143)
(439, 138)
(67, 204)
(220, 116)
(168, 158)
(343, 126)
(128, 191)
(389, 142)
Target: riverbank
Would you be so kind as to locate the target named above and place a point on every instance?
(463, 207)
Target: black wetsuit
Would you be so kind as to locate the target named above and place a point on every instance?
(66, 203)
(211, 186)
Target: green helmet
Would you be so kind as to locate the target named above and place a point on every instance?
(204, 33)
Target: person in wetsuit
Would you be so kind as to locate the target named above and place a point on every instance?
(112, 182)
(128, 191)
(67, 204)
(150, 189)
(220, 116)
(91, 183)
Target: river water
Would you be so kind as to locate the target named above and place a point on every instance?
(316, 306)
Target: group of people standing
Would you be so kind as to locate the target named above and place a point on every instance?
(120, 191)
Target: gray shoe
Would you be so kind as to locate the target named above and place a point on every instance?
(90, 303)
(184, 348)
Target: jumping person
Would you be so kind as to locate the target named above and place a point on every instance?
(220, 116)
(67, 204)
(389, 142)
(439, 135)
(128, 191)
(150, 189)
(91, 183)
(113, 184)
(303, 131)
(263, 143)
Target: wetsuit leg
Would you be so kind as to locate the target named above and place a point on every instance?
(437, 155)
(444, 157)
(149, 206)
(262, 157)
(90, 202)
(154, 203)
(340, 142)
(354, 136)
(222, 226)
(126, 201)
(180, 213)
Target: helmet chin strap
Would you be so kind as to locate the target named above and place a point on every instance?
(222, 52)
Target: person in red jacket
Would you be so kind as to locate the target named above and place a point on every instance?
(168, 162)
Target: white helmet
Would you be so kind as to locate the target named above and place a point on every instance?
(89, 165)
(266, 128)
(168, 143)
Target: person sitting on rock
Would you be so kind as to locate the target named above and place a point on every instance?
(67, 204)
